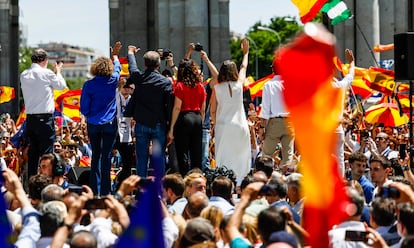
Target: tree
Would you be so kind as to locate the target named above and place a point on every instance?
(266, 41)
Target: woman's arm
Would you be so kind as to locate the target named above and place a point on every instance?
(211, 67)
(213, 106)
(174, 117)
(243, 67)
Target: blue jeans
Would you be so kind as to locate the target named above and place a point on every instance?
(102, 139)
(205, 161)
(143, 135)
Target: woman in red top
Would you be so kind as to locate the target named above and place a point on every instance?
(187, 116)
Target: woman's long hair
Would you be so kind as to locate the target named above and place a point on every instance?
(188, 73)
(228, 72)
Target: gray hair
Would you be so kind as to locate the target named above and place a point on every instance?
(51, 192)
(52, 216)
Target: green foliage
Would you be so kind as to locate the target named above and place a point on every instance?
(75, 83)
(266, 43)
(25, 60)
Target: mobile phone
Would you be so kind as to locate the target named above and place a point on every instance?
(143, 182)
(95, 203)
(403, 150)
(76, 189)
(389, 192)
(351, 235)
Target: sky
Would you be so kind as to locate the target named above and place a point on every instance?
(86, 22)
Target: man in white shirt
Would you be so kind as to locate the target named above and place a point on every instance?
(37, 85)
(274, 116)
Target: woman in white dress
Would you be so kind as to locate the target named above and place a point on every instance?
(232, 136)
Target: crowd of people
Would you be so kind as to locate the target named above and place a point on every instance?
(230, 174)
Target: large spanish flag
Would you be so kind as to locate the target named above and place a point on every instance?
(6, 94)
(308, 8)
(256, 87)
(315, 107)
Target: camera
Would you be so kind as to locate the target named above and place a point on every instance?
(165, 53)
(388, 192)
(95, 203)
(144, 182)
(198, 47)
(76, 189)
(351, 235)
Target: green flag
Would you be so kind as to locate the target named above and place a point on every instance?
(336, 11)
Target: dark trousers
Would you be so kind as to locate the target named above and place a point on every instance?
(126, 150)
(102, 139)
(188, 141)
(40, 130)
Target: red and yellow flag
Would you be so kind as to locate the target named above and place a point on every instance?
(69, 104)
(256, 88)
(124, 66)
(315, 107)
(22, 117)
(6, 94)
(308, 8)
(381, 80)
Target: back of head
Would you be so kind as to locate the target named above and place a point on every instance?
(228, 72)
(212, 214)
(284, 238)
(152, 59)
(264, 163)
(278, 186)
(36, 184)
(83, 239)
(406, 216)
(102, 66)
(198, 230)
(51, 192)
(175, 182)
(383, 211)
(39, 55)
(357, 199)
(52, 216)
(188, 73)
(196, 203)
(271, 220)
(222, 187)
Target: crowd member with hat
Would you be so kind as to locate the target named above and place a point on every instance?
(98, 105)
(198, 230)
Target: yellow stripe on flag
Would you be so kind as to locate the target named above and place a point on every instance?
(6, 94)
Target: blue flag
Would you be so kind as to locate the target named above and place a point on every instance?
(145, 229)
(5, 228)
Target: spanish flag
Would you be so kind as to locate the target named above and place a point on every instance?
(381, 80)
(124, 66)
(21, 118)
(69, 104)
(256, 88)
(308, 8)
(6, 94)
(314, 107)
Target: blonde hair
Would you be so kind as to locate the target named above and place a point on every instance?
(189, 179)
(102, 66)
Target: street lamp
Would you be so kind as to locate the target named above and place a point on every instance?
(257, 57)
(272, 31)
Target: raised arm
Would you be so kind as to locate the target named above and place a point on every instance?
(243, 67)
(212, 68)
(132, 63)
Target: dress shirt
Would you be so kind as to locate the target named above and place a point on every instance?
(368, 188)
(273, 104)
(221, 203)
(37, 88)
(30, 232)
(337, 235)
(152, 100)
(98, 102)
(283, 203)
(177, 207)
